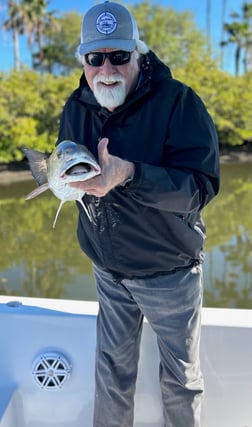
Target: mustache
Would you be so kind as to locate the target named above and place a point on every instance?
(115, 78)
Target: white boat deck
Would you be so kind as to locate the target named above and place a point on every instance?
(47, 366)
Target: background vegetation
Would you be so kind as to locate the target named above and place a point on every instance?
(31, 99)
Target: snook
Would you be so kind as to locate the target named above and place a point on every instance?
(69, 162)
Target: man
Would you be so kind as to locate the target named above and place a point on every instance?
(158, 151)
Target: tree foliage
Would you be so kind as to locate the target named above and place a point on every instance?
(170, 34)
(30, 106)
(31, 103)
(228, 98)
(60, 45)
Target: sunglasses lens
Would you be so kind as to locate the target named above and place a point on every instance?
(95, 59)
(118, 57)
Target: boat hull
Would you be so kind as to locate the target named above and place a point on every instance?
(47, 352)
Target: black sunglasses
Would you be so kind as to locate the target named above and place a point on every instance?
(117, 57)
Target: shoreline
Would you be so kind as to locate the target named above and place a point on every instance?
(10, 176)
(20, 172)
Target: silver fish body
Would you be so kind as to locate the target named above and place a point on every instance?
(69, 162)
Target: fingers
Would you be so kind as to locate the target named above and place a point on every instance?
(114, 170)
(103, 153)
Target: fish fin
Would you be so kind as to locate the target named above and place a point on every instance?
(37, 191)
(57, 213)
(38, 164)
(85, 209)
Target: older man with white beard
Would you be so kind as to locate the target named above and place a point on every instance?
(158, 151)
(109, 83)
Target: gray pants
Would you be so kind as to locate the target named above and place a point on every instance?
(172, 305)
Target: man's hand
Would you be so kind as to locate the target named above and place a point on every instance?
(114, 171)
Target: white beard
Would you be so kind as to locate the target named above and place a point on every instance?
(110, 96)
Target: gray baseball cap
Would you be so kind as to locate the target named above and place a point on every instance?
(108, 25)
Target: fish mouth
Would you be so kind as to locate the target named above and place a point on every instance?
(78, 169)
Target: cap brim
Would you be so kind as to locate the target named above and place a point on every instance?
(127, 45)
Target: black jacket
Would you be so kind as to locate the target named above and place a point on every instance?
(154, 224)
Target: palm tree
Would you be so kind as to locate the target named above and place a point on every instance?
(239, 32)
(14, 23)
(247, 12)
(236, 34)
(37, 21)
(29, 17)
(223, 17)
(208, 22)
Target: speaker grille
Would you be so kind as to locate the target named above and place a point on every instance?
(51, 371)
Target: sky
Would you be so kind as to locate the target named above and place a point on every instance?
(197, 7)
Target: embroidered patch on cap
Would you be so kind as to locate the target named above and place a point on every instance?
(106, 23)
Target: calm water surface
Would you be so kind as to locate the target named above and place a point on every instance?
(38, 261)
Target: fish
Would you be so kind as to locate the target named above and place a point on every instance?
(68, 162)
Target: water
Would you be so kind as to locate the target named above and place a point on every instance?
(39, 261)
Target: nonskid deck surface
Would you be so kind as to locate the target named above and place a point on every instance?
(47, 366)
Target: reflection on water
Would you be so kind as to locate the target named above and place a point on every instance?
(39, 261)
(228, 266)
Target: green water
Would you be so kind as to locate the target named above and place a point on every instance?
(38, 261)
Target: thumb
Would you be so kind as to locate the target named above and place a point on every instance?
(103, 151)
